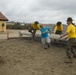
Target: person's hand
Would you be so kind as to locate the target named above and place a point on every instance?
(60, 36)
(66, 38)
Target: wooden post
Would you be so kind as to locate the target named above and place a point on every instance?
(7, 35)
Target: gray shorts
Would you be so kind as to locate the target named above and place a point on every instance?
(45, 40)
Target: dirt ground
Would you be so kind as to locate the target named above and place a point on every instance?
(21, 57)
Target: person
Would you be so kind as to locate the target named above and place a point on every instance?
(72, 39)
(45, 36)
(58, 28)
(33, 28)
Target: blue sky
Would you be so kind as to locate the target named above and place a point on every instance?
(44, 11)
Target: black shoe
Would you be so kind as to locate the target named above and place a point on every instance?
(45, 48)
(74, 56)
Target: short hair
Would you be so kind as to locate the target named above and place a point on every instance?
(36, 22)
(59, 23)
(69, 19)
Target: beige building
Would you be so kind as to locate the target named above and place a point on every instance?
(3, 20)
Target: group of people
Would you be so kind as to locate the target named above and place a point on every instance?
(44, 33)
(58, 28)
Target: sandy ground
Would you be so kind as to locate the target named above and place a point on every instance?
(21, 57)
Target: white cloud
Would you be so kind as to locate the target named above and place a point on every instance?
(45, 11)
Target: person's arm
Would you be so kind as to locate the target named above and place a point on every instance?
(54, 27)
(42, 32)
(66, 37)
(49, 30)
(38, 27)
(67, 32)
(63, 35)
(45, 31)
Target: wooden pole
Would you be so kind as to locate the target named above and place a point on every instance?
(7, 35)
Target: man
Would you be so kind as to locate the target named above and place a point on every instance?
(44, 36)
(72, 39)
(58, 28)
(33, 28)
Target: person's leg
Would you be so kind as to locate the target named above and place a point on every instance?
(73, 49)
(68, 52)
(33, 34)
(56, 32)
(44, 42)
(48, 41)
(61, 32)
(30, 29)
(69, 46)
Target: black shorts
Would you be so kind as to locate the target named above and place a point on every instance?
(58, 32)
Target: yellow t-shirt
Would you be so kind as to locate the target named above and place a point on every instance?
(35, 26)
(75, 29)
(71, 31)
(60, 28)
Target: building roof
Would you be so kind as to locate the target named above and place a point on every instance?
(2, 17)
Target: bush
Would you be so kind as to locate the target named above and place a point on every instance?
(17, 26)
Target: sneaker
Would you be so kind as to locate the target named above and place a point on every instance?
(68, 60)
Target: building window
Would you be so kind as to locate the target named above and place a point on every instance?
(2, 24)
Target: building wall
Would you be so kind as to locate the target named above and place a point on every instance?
(4, 27)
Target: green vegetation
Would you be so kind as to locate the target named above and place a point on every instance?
(17, 25)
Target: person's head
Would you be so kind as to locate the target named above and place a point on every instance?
(69, 20)
(41, 26)
(36, 22)
(59, 23)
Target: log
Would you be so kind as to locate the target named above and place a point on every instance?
(38, 34)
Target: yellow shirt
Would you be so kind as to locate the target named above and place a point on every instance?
(71, 31)
(60, 28)
(75, 29)
(35, 26)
